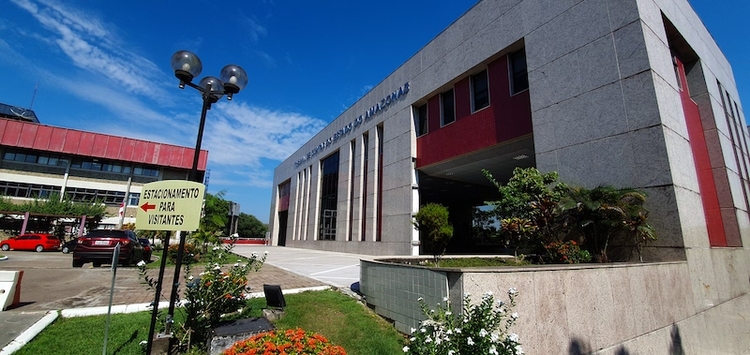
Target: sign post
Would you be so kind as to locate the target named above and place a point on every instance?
(169, 205)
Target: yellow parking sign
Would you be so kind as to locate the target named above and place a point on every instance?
(171, 205)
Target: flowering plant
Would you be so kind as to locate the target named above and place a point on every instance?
(291, 341)
(483, 328)
(216, 291)
(567, 252)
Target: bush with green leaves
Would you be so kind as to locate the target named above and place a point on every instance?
(434, 228)
(219, 290)
(215, 292)
(611, 222)
(483, 328)
(527, 208)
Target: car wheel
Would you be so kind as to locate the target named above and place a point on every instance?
(77, 263)
(5, 247)
(65, 250)
(39, 248)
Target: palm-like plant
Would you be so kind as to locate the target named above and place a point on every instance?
(604, 216)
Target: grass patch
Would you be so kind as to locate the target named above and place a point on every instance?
(85, 335)
(341, 319)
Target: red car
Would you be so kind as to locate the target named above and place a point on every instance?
(31, 241)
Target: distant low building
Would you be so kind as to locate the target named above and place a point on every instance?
(38, 160)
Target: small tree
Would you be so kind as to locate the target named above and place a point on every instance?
(527, 208)
(435, 231)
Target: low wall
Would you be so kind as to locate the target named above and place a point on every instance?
(570, 309)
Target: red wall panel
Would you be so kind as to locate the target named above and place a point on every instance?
(57, 141)
(112, 151)
(706, 183)
(43, 138)
(506, 118)
(72, 140)
(11, 133)
(28, 135)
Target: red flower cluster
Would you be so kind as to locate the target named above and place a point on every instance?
(285, 342)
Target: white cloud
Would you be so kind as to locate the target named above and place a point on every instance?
(91, 46)
(241, 135)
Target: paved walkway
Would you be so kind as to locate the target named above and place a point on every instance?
(337, 269)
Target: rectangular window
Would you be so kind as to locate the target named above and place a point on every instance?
(9, 156)
(448, 107)
(480, 91)
(352, 155)
(379, 225)
(365, 162)
(329, 181)
(518, 71)
(420, 120)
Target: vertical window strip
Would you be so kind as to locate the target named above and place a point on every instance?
(743, 134)
(518, 71)
(735, 139)
(448, 107)
(365, 162)
(297, 204)
(352, 156)
(379, 225)
(480, 93)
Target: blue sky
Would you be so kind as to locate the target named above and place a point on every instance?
(104, 66)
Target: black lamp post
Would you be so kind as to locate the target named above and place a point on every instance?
(233, 78)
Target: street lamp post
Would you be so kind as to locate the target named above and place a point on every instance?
(232, 79)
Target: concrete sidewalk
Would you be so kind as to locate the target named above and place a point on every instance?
(333, 268)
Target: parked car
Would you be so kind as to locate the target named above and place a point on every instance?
(31, 241)
(98, 247)
(68, 246)
(146, 249)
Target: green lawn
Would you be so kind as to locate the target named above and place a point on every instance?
(338, 317)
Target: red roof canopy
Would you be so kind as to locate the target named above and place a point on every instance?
(69, 141)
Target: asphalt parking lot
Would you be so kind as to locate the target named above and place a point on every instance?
(50, 282)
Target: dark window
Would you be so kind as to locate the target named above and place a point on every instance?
(448, 107)
(9, 156)
(480, 91)
(518, 72)
(420, 121)
(329, 180)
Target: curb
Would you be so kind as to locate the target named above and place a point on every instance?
(29, 334)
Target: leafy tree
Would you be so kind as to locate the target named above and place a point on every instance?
(53, 208)
(527, 208)
(435, 230)
(215, 212)
(250, 227)
(606, 218)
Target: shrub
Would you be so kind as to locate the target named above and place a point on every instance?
(566, 252)
(214, 293)
(483, 328)
(435, 230)
(189, 253)
(291, 341)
